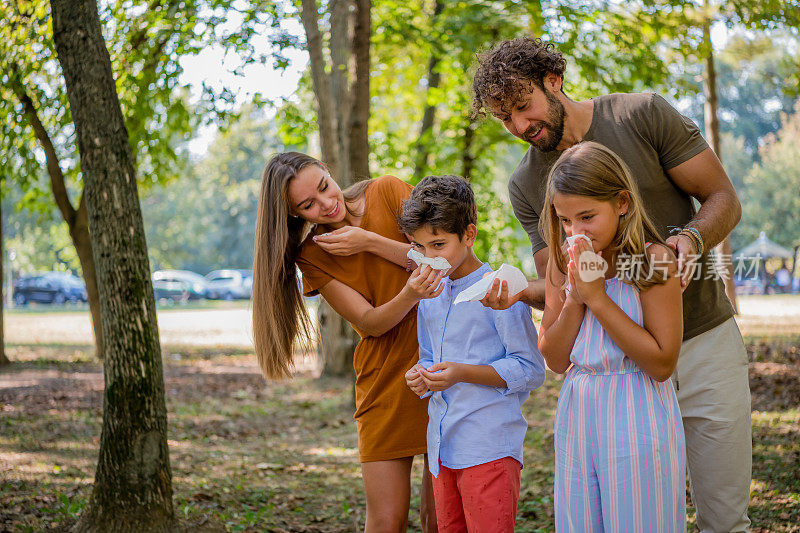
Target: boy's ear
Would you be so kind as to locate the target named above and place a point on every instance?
(470, 235)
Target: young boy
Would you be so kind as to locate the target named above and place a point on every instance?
(477, 364)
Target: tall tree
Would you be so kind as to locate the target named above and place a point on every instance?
(146, 47)
(342, 95)
(133, 481)
(711, 115)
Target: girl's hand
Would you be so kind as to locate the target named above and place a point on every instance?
(572, 297)
(347, 240)
(588, 279)
(415, 382)
(424, 283)
(441, 376)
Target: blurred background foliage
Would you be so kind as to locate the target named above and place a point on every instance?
(199, 204)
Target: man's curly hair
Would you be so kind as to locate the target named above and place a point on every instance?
(508, 70)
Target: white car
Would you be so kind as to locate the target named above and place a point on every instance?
(196, 284)
(229, 284)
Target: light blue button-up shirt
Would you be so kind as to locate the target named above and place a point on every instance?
(470, 424)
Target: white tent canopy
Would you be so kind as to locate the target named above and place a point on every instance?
(764, 248)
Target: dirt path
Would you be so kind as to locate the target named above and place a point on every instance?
(195, 327)
(232, 327)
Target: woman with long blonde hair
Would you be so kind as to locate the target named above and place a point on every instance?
(349, 249)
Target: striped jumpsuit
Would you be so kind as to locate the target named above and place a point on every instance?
(620, 453)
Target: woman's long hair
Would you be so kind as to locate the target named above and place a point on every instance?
(279, 314)
(590, 169)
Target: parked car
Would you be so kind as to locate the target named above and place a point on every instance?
(176, 291)
(248, 281)
(49, 288)
(195, 283)
(229, 284)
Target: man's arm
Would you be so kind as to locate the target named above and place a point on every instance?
(703, 178)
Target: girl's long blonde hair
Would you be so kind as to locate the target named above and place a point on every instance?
(590, 169)
(279, 315)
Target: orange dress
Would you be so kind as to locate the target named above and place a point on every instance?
(391, 419)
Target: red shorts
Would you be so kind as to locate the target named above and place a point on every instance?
(478, 499)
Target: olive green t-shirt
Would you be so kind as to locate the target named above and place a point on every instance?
(651, 137)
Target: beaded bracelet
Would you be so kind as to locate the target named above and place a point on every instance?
(692, 237)
(702, 246)
(695, 237)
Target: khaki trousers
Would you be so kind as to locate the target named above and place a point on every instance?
(712, 386)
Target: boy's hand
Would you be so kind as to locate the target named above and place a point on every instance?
(441, 376)
(425, 282)
(415, 382)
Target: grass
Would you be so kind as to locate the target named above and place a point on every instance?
(249, 455)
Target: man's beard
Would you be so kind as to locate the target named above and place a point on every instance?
(555, 125)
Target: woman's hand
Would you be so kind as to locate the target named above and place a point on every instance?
(424, 282)
(441, 376)
(586, 278)
(347, 240)
(415, 382)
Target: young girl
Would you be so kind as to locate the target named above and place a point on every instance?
(350, 250)
(617, 333)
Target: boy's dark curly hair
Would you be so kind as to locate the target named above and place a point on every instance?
(508, 69)
(444, 203)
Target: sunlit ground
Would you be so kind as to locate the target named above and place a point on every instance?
(253, 456)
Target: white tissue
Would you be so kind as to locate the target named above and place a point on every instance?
(436, 263)
(477, 291)
(571, 240)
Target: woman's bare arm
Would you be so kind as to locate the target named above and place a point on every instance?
(375, 321)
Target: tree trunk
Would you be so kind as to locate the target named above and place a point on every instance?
(79, 233)
(339, 85)
(342, 117)
(133, 482)
(325, 116)
(434, 79)
(3, 358)
(723, 250)
(358, 131)
(337, 343)
(76, 219)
